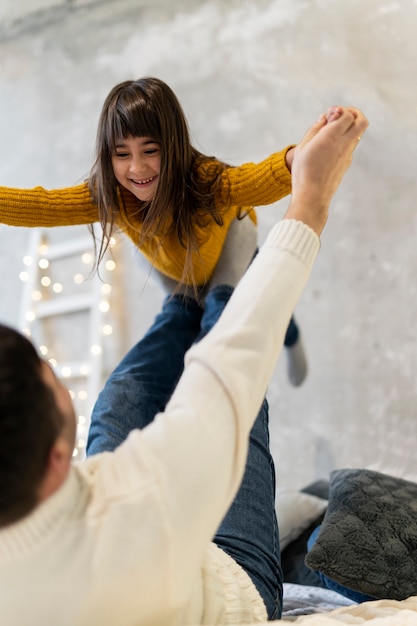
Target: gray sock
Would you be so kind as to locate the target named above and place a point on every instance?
(297, 367)
(237, 253)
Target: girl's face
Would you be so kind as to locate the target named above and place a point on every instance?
(136, 165)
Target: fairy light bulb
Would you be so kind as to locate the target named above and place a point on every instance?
(104, 306)
(110, 265)
(86, 258)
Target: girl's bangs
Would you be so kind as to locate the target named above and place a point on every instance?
(132, 119)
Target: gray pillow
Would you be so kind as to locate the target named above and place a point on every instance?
(368, 537)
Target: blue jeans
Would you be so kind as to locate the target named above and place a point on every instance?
(141, 386)
(329, 583)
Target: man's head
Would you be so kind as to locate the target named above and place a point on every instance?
(37, 428)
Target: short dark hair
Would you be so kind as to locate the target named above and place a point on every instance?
(30, 422)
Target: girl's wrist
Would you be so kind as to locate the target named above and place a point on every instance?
(289, 157)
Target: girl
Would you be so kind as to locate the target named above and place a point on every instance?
(175, 203)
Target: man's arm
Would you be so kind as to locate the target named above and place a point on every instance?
(198, 447)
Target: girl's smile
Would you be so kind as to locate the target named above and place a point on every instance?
(136, 165)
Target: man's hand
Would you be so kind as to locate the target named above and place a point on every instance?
(320, 161)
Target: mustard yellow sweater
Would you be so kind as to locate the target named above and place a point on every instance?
(242, 187)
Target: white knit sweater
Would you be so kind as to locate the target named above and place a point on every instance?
(126, 539)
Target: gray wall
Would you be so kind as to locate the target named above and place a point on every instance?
(251, 76)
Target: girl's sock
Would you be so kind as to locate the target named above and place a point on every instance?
(296, 362)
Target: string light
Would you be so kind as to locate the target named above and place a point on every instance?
(86, 258)
(110, 265)
(104, 306)
(37, 296)
(66, 371)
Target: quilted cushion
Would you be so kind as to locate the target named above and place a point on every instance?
(368, 537)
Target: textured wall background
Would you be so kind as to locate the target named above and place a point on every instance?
(251, 75)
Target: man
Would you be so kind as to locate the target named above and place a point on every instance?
(126, 536)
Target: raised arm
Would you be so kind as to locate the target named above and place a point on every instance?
(256, 184)
(197, 448)
(41, 207)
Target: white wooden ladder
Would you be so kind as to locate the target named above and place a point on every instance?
(79, 304)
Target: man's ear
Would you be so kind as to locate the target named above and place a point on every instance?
(59, 463)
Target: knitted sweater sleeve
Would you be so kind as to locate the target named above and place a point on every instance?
(256, 184)
(41, 207)
(197, 448)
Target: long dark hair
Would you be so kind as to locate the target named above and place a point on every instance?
(183, 200)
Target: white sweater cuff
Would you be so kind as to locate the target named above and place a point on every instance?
(295, 236)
